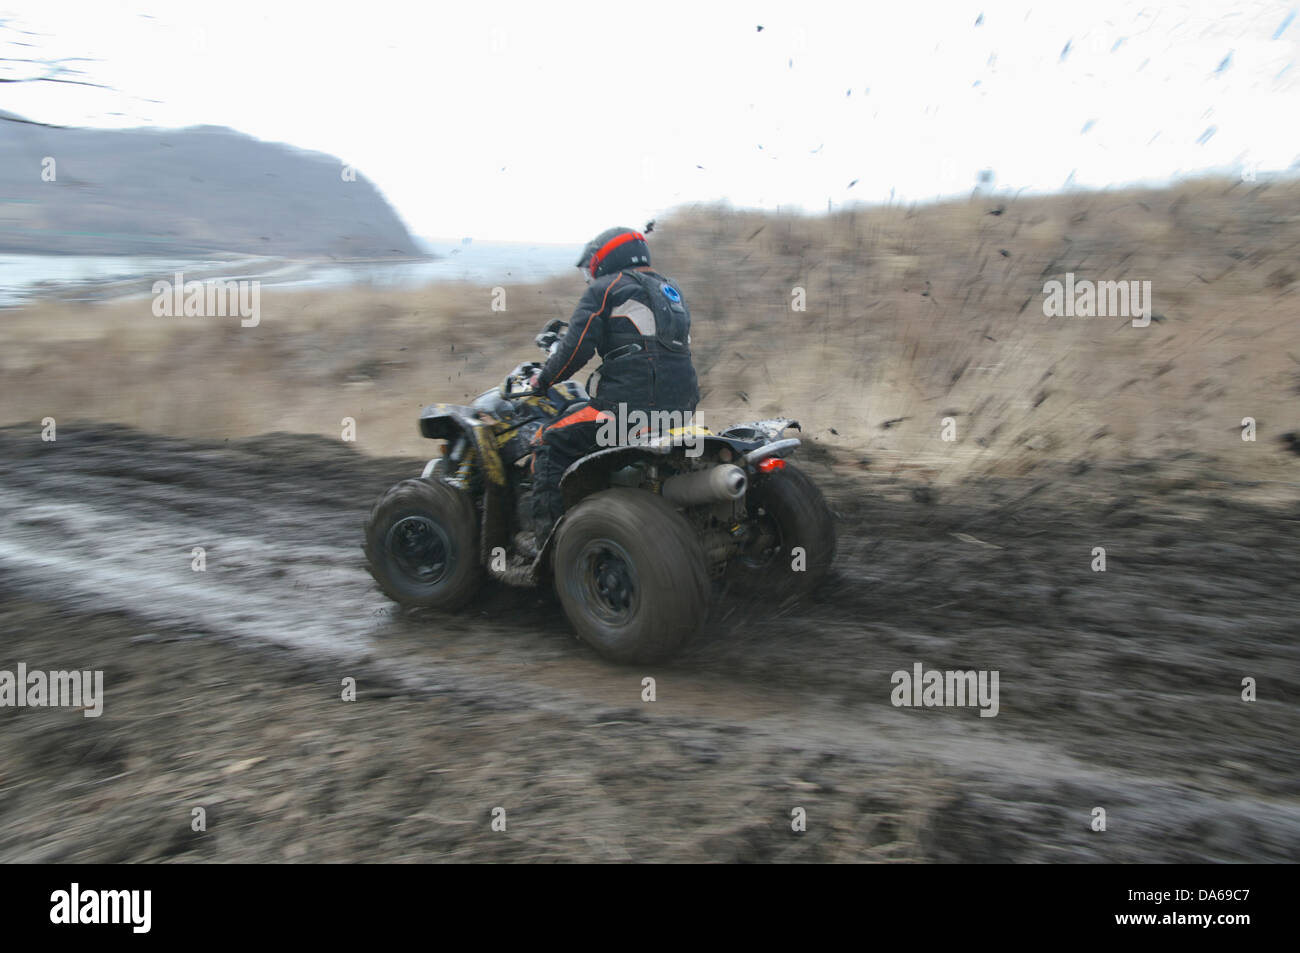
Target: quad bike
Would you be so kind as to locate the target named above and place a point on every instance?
(650, 524)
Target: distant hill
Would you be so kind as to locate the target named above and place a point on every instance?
(201, 190)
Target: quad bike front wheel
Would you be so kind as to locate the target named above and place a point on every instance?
(422, 545)
(631, 575)
(792, 543)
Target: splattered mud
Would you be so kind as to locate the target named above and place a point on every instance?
(1119, 690)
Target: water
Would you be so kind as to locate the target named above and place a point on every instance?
(83, 277)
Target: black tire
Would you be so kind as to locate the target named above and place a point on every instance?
(792, 513)
(422, 545)
(631, 575)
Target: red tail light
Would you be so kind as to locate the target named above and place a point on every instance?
(770, 464)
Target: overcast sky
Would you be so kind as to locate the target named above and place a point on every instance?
(551, 121)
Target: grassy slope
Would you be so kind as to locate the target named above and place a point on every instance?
(915, 314)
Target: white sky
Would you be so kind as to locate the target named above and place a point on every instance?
(551, 121)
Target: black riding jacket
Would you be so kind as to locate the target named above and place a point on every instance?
(638, 323)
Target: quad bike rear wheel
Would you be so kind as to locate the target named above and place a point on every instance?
(631, 575)
(793, 545)
(422, 545)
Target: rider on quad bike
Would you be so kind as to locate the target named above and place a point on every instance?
(647, 524)
(636, 320)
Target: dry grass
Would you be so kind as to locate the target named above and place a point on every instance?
(912, 315)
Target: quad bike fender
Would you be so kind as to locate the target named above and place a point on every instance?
(750, 442)
(448, 421)
(445, 421)
(762, 439)
(767, 431)
(589, 474)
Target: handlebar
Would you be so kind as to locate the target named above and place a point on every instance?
(550, 336)
(516, 382)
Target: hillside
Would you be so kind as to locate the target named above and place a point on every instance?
(913, 316)
(196, 191)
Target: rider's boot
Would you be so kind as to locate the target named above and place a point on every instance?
(526, 544)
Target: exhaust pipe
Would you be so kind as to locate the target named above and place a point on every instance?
(720, 484)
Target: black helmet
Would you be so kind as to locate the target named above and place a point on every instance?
(613, 250)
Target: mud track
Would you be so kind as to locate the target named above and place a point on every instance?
(1119, 690)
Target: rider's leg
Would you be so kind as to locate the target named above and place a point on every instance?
(566, 440)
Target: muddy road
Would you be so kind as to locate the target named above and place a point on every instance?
(1119, 690)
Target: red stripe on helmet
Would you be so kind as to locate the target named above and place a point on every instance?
(610, 245)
